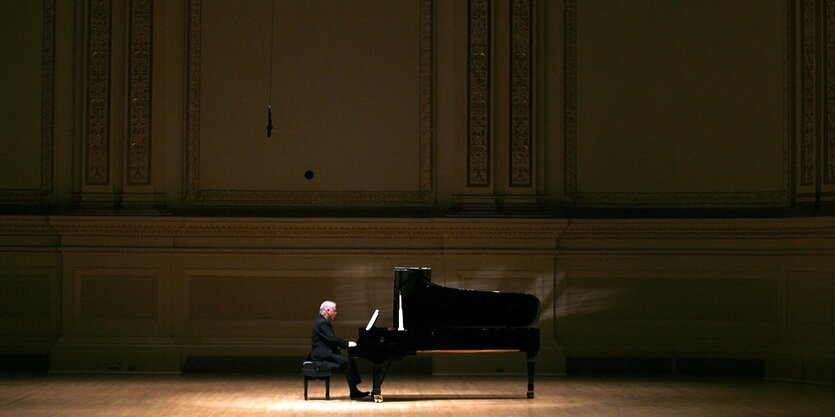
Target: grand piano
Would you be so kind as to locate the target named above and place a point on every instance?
(431, 318)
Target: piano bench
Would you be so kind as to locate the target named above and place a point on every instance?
(317, 370)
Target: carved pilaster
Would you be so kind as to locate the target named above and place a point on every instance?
(807, 135)
(816, 148)
(97, 146)
(809, 102)
(828, 177)
(570, 99)
(478, 146)
(139, 101)
(521, 105)
(427, 13)
(47, 99)
(193, 103)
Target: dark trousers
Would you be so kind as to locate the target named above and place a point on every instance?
(348, 366)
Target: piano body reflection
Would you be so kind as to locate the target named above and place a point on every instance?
(431, 318)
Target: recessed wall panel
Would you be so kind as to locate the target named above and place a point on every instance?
(653, 296)
(278, 303)
(346, 87)
(228, 297)
(21, 92)
(677, 103)
(117, 296)
(25, 296)
(809, 299)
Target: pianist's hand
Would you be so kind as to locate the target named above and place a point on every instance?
(352, 344)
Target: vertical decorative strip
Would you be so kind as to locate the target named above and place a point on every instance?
(521, 155)
(570, 98)
(139, 101)
(193, 101)
(97, 158)
(47, 99)
(427, 11)
(808, 105)
(478, 156)
(829, 138)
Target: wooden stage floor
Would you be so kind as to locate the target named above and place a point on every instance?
(281, 395)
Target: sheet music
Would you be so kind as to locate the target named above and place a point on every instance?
(373, 320)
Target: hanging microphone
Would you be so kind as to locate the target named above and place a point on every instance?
(269, 121)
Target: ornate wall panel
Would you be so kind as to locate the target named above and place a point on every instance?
(570, 23)
(215, 180)
(828, 152)
(808, 105)
(117, 162)
(139, 100)
(479, 95)
(607, 167)
(816, 146)
(42, 193)
(521, 94)
(97, 132)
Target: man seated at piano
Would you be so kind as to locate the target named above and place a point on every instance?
(327, 345)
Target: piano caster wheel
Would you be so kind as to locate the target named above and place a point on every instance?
(378, 398)
(530, 395)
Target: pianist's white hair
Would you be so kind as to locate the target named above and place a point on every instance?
(326, 305)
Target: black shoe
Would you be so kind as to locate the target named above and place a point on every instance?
(356, 395)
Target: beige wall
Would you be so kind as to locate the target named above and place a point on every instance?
(147, 218)
(143, 294)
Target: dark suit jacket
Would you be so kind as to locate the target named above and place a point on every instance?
(326, 343)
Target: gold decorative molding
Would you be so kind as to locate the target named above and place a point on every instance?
(97, 149)
(722, 231)
(478, 146)
(288, 229)
(816, 147)
(413, 236)
(424, 196)
(521, 98)
(139, 101)
(573, 196)
(684, 200)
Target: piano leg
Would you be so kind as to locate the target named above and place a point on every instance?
(531, 367)
(378, 370)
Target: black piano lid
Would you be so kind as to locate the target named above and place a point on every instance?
(428, 305)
